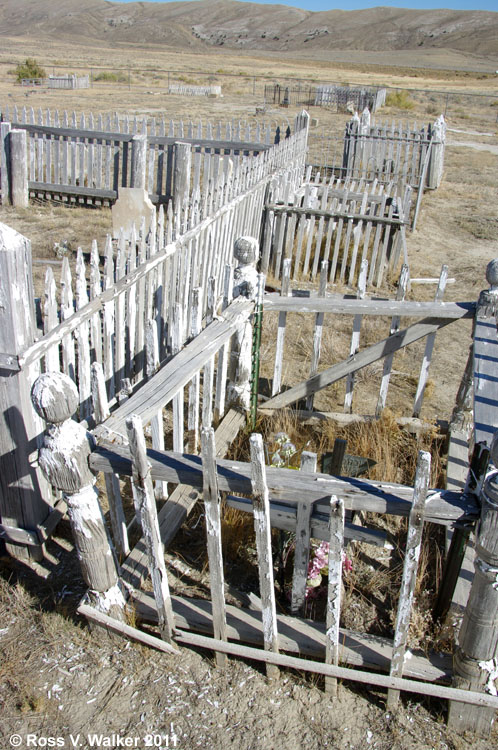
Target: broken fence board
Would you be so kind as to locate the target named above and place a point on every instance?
(372, 354)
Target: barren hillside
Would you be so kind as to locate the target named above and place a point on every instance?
(248, 26)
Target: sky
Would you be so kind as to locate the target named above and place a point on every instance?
(359, 4)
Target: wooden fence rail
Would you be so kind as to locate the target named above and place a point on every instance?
(281, 632)
(432, 317)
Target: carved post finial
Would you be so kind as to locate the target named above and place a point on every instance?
(63, 458)
(246, 252)
(492, 275)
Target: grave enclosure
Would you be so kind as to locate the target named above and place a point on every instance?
(163, 327)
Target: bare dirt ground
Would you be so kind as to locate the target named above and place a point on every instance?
(61, 681)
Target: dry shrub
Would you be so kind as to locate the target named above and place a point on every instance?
(237, 531)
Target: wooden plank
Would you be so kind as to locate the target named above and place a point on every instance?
(180, 370)
(108, 327)
(341, 304)
(373, 353)
(410, 566)
(213, 532)
(50, 320)
(317, 333)
(178, 397)
(116, 513)
(180, 503)
(67, 309)
(95, 291)
(282, 319)
(368, 678)
(336, 541)
(340, 215)
(442, 506)
(297, 635)
(485, 368)
(145, 506)
(115, 626)
(355, 337)
(262, 528)
(83, 339)
(120, 315)
(194, 387)
(157, 421)
(303, 540)
(284, 516)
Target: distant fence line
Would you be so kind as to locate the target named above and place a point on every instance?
(59, 82)
(184, 90)
(342, 98)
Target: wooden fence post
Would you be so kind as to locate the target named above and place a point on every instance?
(5, 162)
(246, 251)
(475, 662)
(24, 493)
(181, 177)
(63, 459)
(138, 160)
(19, 168)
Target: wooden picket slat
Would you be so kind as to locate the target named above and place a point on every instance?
(145, 504)
(410, 566)
(262, 527)
(303, 540)
(336, 541)
(211, 497)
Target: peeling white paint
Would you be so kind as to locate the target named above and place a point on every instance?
(84, 510)
(491, 667)
(105, 600)
(486, 569)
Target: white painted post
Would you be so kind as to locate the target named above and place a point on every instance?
(138, 161)
(213, 531)
(410, 567)
(336, 542)
(24, 493)
(19, 168)
(5, 162)
(246, 251)
(63, 458)
(476, 659)
(262, 527)
(182, 167)
(303, 540)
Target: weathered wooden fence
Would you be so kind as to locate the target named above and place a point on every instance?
(402, 153)
(341, 98)
(172, 279)
(90, 159)
(306, 502)
(59, 82)
(387, 151)
(188, 90)
(340, 222)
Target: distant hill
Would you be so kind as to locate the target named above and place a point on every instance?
(228, 24)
